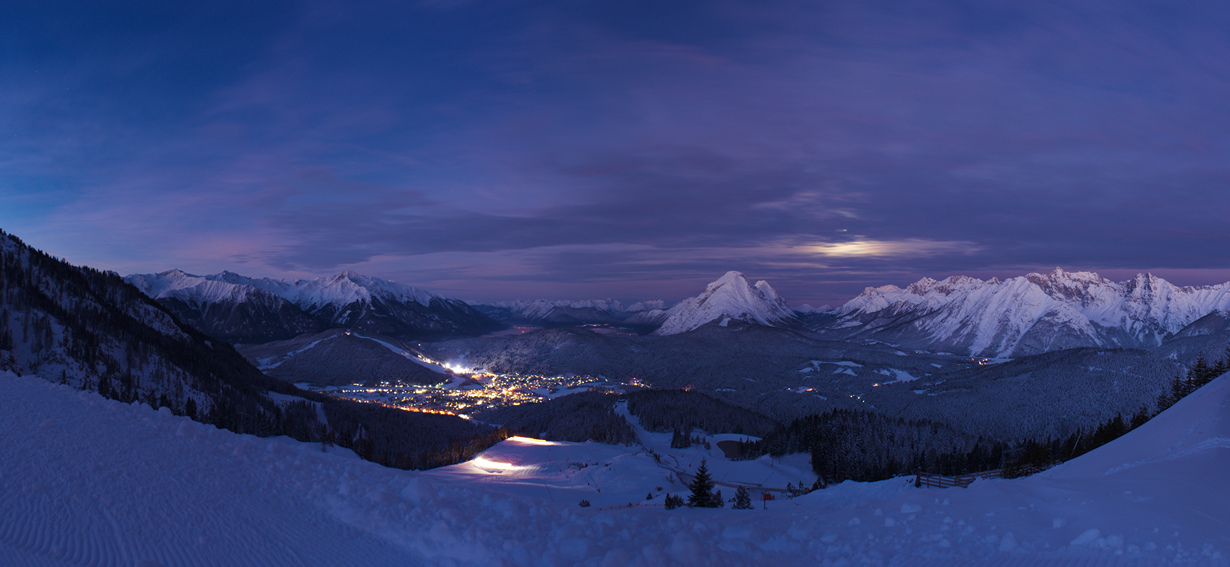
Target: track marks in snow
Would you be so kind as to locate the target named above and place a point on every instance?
(149, 486)
(181, 493)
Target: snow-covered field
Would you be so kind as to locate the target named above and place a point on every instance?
(88, 481)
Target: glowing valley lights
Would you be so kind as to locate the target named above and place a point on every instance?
(472, 393)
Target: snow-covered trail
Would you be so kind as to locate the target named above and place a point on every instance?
(87, 481)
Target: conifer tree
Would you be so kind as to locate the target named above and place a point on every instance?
(743, 500)
(681, 439)
(673, 501)
(702, 489)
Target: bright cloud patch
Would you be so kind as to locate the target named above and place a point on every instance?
(885, 248)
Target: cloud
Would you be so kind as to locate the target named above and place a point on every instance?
(587, 144)
(889, 248)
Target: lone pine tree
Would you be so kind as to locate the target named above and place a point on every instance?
(702, 490)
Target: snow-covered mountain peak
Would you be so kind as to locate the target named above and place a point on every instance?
(1145, 284)
(947, 286)
(921, 286)
(767, 290)
(190, 288)
(731, 289)
(730, 278)
(348, 287)
(925, 294)
(729, 297)
(1085, 288)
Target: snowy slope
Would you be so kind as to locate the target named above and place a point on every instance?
(1030, 314)
(348, 287)
(648, 317)
(730, 297)
(103, 483)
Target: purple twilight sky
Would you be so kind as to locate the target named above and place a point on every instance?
(636, 150)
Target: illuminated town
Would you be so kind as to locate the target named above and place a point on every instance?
(468, 394)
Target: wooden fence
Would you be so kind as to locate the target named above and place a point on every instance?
(963, 481)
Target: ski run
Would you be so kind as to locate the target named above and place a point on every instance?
(89, 481)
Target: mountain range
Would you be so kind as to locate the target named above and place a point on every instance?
(1019, 316)
(1028, 314)
(240, 309)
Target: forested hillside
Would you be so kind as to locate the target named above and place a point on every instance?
(90, 329)
(586, 416)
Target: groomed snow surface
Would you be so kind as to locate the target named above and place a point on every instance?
(88, 481)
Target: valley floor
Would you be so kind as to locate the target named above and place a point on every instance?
(88, 481)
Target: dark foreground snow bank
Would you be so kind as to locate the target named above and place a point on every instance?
(87, 481)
